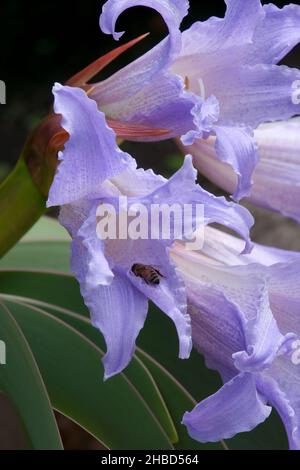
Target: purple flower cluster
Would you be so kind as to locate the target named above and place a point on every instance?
(210, 87)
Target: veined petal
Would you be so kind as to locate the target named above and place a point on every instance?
(182, 189)
(240, 21)
(141, 72)
(173, 11)
(284, 286)
(236, 407)
(208, 47)
(169, 295)
(117, 309)
(247, 331)
(162, 103)
(266, 33)
(251, 95)
(91, 154)
(146, 92)
(248, 95)
(224, 248)
(281, 384)
(246, 288)
(88, 261)
(276, 35)
(276, 177)
(119, 312)
(217, 326)
(236, 147)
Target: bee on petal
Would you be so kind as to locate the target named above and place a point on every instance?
(149, 274)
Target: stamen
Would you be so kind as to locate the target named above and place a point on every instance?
(187, 83)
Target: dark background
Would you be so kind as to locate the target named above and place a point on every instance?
(47, 41)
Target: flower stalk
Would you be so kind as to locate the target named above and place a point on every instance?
(21, 205)
(23, 193)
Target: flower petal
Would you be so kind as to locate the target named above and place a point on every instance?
(169, 296)
(240, 21)
(251, 95)
(281, 384)
(225, 248)
(182, 189)
(205, 114)
(161, 103)
(236, 407)
(173, 11)
(119, 312)
(117, 309)
(276, 177)
(91, 154)
(245, 292)
(284, 285)
(276, 35)
(145, 92)
(236, 147)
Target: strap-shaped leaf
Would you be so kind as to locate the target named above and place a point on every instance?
(269, 435)
(177, 398)
(136, 372)
(59, 289)
(22, 383)
(46, 229)
(114, 411)
(51, 256)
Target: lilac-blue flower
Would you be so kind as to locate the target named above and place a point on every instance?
(234, 60)
(218, 78)
(245, 320)
(92, 171)
(276, 178)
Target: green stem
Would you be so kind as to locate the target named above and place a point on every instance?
(21, 205)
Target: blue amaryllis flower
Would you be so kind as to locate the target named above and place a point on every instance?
(217, 78)
(245, 320)
(276, 178)
(93, 171)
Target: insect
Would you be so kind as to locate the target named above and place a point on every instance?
(149, 274)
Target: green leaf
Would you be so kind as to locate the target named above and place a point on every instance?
(21, 205)
(177, 398)
(114, 412)
(46, 229)
(136, 372)
(45, 247)
(179, 401)
(59, 289)
(53, 256)
(21, 381)
(269, 435)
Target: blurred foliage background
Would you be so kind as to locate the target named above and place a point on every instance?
(45, 42)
